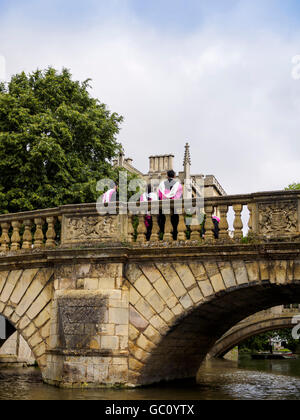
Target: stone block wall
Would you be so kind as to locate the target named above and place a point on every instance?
(89, 327)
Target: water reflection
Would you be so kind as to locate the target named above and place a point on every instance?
(217, 380)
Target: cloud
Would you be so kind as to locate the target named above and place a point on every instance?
(228, 92)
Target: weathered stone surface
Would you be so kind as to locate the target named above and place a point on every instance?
(297, 270)
(185, 274)
(36, 287)
(40, 303)
(264, 271)
(217, 283)
(133, 333)
(152, 334)
(172, 280)
(240, 272)
(110, 343)
(206, 288)
(79, 318)
(211, 268)
(118, 315)
(3, 277)
(133, 272)
(167, 315)
(159, 324)
(137, 320)
(253, 271)
(186, 301)
(228, 275)
(139, 354)
(135, 365)
(178, 310)
(22, 285)
(281, 272)
(151, 272)
(143, 286)
(10, 284)
(198, 271)
(144, 309)
(155, 301)
(163, 289)
(195, 294)
(145, 344)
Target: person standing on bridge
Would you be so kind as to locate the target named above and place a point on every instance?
(216, 221)
(170, 190)
(110, 196)
(148, 195)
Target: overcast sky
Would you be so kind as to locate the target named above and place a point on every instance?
(212, 72)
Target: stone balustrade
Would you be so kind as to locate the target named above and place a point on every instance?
(30, 230)
(272, 216)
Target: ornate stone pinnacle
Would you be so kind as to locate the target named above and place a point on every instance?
(187, 155)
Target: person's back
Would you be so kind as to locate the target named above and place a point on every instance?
(110, 196)
(170, 189)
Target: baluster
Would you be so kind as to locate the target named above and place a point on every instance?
(155, 230)
(39, 235)
(130, 229)
(181, 228)
(27, 236)
(15, 238)
(4, 240)
(238, 223)
(209, 226)
(250, 223)
(141, 230)
(51, 234)
(168, 236)
(195, 230)
(223, 223)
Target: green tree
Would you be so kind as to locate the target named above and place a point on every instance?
(293, 187)
(56, 141)
(261, 342)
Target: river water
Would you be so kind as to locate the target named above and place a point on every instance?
(217, 380)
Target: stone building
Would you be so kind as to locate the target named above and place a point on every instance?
(159, 165)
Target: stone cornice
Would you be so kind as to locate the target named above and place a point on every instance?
(126, 254)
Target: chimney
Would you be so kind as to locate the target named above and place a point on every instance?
(129, 161)
(160, 164)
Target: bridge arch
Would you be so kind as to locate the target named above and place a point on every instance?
(179, 310)
(246, 330)
(25, 301)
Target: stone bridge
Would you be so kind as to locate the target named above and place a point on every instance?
(100, 306)
(273, 319)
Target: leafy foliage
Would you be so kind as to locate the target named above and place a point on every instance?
(293, 187)
(262, 342)
(56, 141)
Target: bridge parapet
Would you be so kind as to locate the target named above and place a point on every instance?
(273, 216)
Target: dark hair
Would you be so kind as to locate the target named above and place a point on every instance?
(171, 174)
(149, 188)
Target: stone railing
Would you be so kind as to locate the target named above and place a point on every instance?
(29, 230)
(272, 216)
